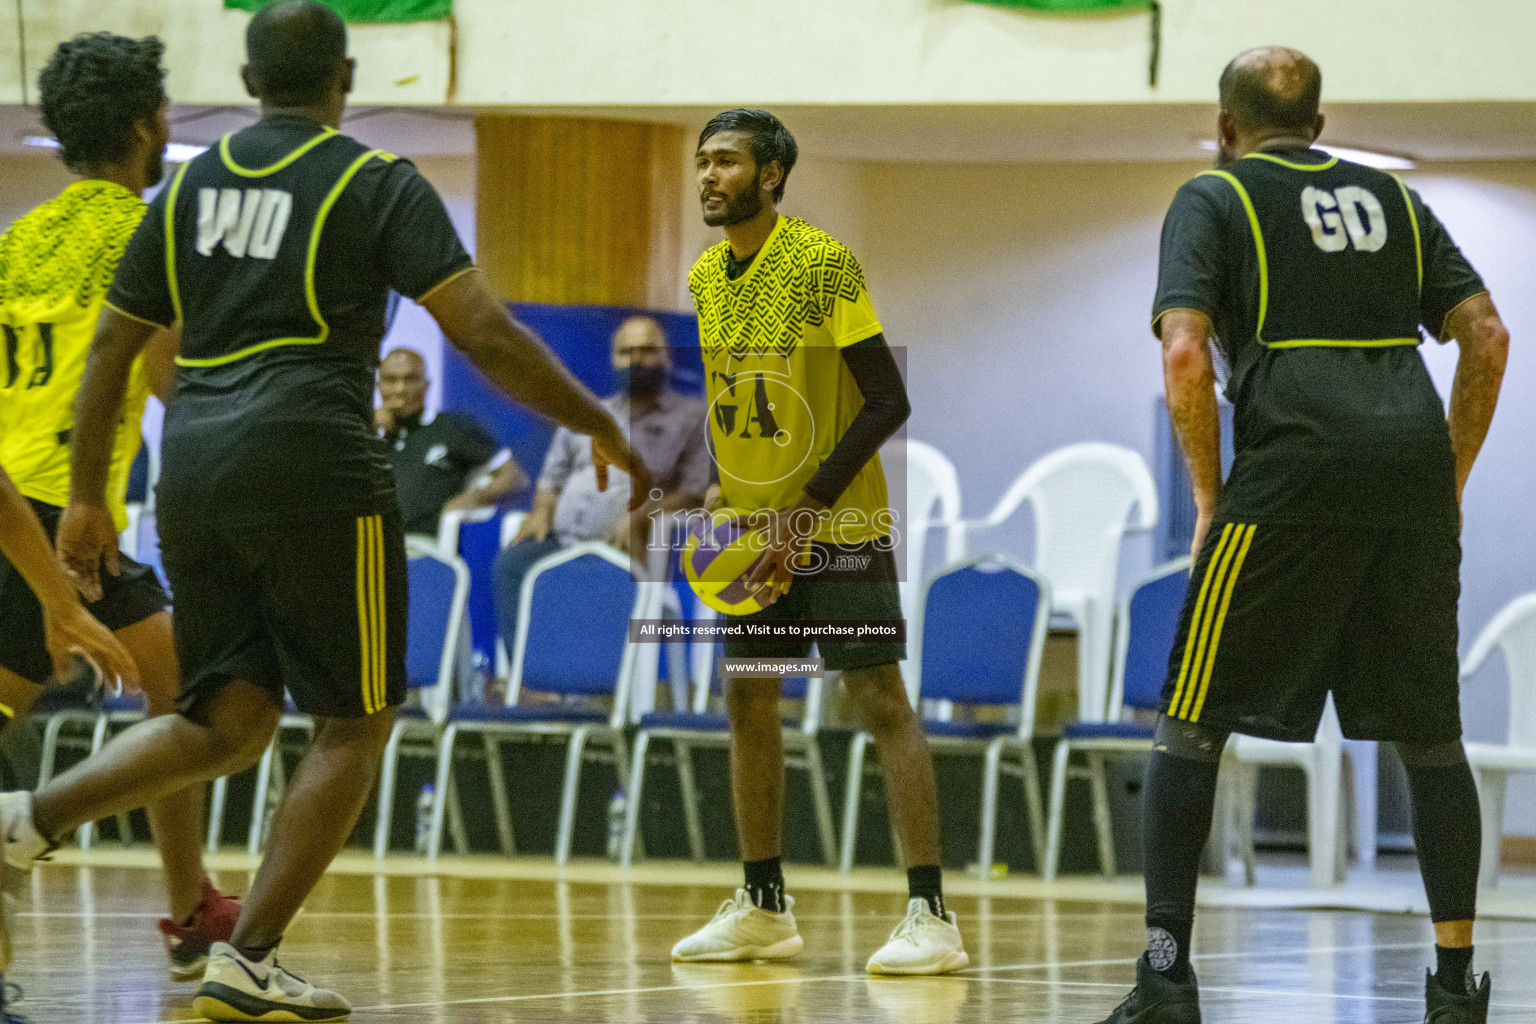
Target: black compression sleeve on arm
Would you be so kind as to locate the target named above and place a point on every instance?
(885, 409)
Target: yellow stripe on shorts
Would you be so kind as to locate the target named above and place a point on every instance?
(364, 620)
(1194, 620)
(1203, 645)
(1221, 620)
(379, 666)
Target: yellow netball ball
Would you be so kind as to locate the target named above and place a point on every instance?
(717, 556)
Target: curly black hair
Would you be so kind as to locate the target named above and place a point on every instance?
(96, 88)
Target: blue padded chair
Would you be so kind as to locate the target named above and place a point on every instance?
(984, 625)
(699, 727)
(1148, 624)
(436, 605)
(572, 641)
(439, 602)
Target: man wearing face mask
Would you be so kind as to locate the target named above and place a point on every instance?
(666, 429)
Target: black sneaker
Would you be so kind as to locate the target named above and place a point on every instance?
(1157, 999)
(1444, 1007)
(9, 994)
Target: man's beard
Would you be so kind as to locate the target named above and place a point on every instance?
(154, 170)
(739, 208)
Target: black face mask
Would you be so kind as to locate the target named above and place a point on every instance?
(641, 381)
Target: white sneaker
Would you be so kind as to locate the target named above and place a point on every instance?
(237, 989)
(743, 931)
(922, 944)
(24, 844)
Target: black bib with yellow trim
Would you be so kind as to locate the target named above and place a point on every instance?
(1338, 250)
(1336, 417)
(243, 248)
(270, 249)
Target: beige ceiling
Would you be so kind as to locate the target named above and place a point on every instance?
(981, 133)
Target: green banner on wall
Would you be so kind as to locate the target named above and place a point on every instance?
(375, 11)
(1094, 7)
(1068, 5)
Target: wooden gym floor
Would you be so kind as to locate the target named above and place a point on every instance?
(478, 948)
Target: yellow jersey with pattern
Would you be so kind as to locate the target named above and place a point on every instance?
(780, 396)
(55, 266)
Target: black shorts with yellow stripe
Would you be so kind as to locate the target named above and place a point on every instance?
(1278, 615)
(315, 606)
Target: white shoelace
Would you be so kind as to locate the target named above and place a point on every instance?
(908, 927)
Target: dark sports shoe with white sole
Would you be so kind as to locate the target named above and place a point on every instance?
(10, 994)
(1442, 1006)
(1157, 999)
(239, 989)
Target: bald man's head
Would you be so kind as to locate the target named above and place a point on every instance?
(1272, 89)
(403, 383)
(296, 53)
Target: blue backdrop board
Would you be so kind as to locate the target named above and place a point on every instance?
(582, 337)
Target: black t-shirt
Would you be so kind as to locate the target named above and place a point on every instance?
(432, 464)
(276, 250)
(1336, 418)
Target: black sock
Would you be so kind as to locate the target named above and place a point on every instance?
(765, 884)
(255, 954)
(1453, 969)
(1179, 795)
(926, 882)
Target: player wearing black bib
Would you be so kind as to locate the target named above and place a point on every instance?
(275, 252)
(1329, 559)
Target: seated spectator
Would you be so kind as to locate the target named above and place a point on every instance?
(666, 429)
(447, 463)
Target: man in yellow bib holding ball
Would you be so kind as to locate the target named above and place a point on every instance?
(802, 392)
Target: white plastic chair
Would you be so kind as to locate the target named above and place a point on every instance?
(1085, 498)
(1322, 761)
(1512, 631)
(128, 540)
(932, 502)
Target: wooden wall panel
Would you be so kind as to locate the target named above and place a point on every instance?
(579, 211)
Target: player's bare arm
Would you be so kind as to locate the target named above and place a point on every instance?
(87, 536)
(1190, 379)
(885, 409)
(160, 361)
(521, 365)
(68, 625)
(1484, 341)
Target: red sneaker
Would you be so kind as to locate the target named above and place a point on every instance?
(187, 944)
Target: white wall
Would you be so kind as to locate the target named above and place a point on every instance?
(847, 51)
(454, 178)
(28, 180)
(898, 51)
(1491, 212)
